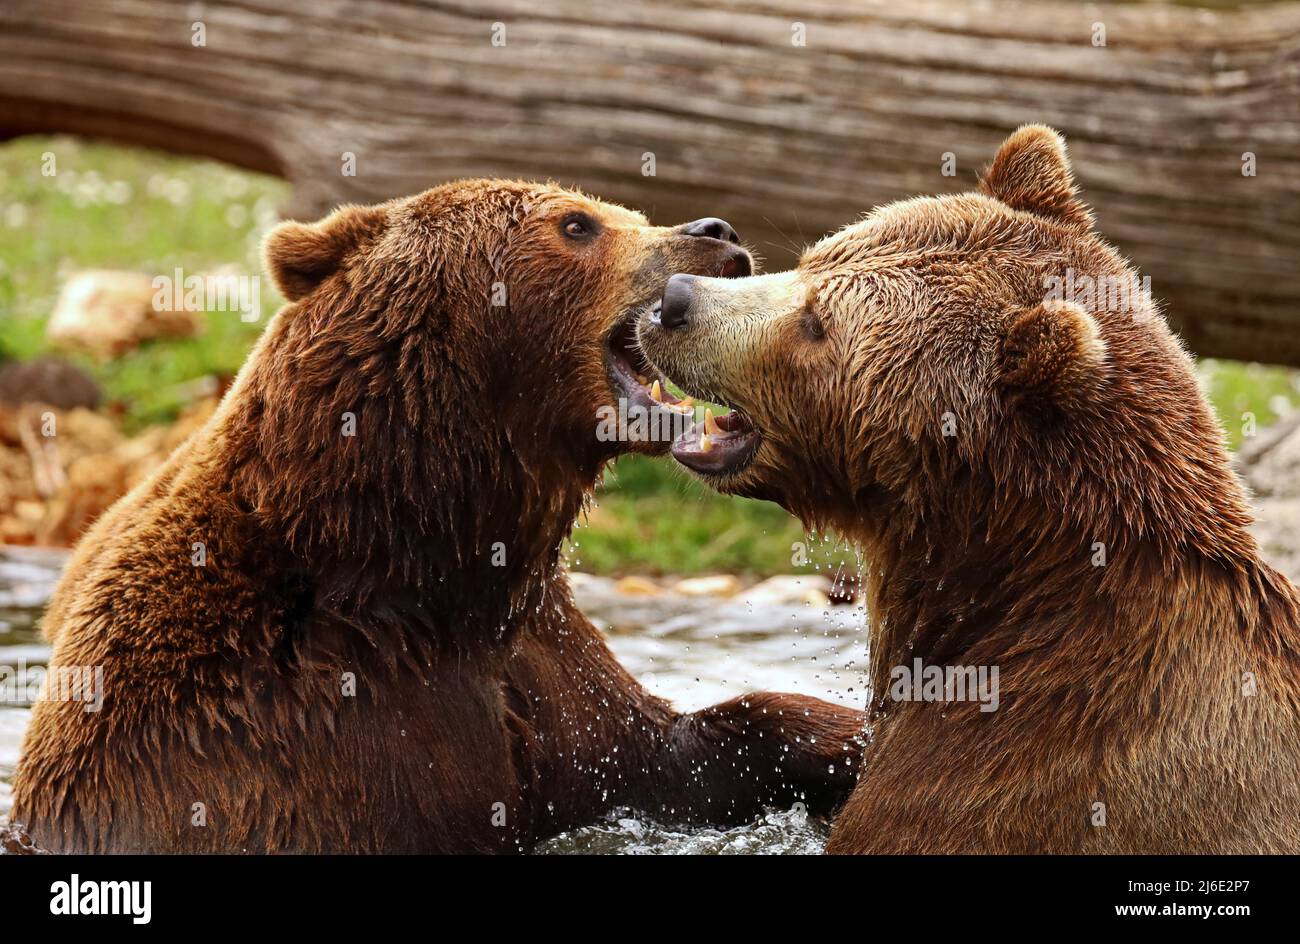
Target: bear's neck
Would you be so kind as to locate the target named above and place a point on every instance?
(978, 593)
(410, 504)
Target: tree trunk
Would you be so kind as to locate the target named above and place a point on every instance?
(786, 141)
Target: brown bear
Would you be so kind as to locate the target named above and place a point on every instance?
(1075, 647)
(337, 619)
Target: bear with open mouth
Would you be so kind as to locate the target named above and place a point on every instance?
(337, 618)
(980, 392)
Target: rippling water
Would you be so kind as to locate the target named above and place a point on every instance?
(692, 650)
(27, 578)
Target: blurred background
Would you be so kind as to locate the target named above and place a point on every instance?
(70, 243)
(115, 209)
(146, 136)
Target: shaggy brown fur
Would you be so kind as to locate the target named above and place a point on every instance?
(488, 712)
(1037, 484)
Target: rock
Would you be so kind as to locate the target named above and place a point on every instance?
(48, 380)
(1270, 461)
(91, 432)
(15, 841)
(105, 313)
(638, 587)
(578, 578)
(30, 512)
(790, 590)
(53, 487)
(816, 599)
(1270, 464)
(716, 585)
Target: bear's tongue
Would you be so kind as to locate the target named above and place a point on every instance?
(718, 444)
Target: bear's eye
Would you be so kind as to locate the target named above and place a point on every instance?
(578, 226)
(812, 325)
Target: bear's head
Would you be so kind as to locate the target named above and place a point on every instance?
(979, 366)
(528, 293)
(436, 382)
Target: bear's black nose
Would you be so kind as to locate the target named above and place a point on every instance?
(676, 302)
(711, 226)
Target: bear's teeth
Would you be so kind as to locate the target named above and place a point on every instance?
(710, 424)
(656, 393)
(705, 443)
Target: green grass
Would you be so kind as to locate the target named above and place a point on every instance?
(1246, 395)
(125, 208)
(649, 518)
(121, 208)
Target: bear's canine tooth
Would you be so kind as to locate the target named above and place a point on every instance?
(656, 393)
(710, 424)
(705, 442)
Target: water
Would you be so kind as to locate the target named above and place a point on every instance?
(693, 650)
(27, 577)
(776, 833)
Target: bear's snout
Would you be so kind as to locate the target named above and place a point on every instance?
(723, 256)
(673, 311)
(712, 227)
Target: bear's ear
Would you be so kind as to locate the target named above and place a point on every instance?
(1031, 172)
(1053, 351)
(300, 256)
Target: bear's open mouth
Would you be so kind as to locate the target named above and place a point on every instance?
(638, 382)
(721, 445)
(647, 410)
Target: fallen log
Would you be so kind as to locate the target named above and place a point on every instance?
(788, 117)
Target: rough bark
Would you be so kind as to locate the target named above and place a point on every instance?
(786, 141)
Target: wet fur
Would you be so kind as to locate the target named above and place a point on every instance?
(1121, 684)
(481, 691)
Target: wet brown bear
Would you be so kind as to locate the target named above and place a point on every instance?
(979, 391)
(337, 618)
